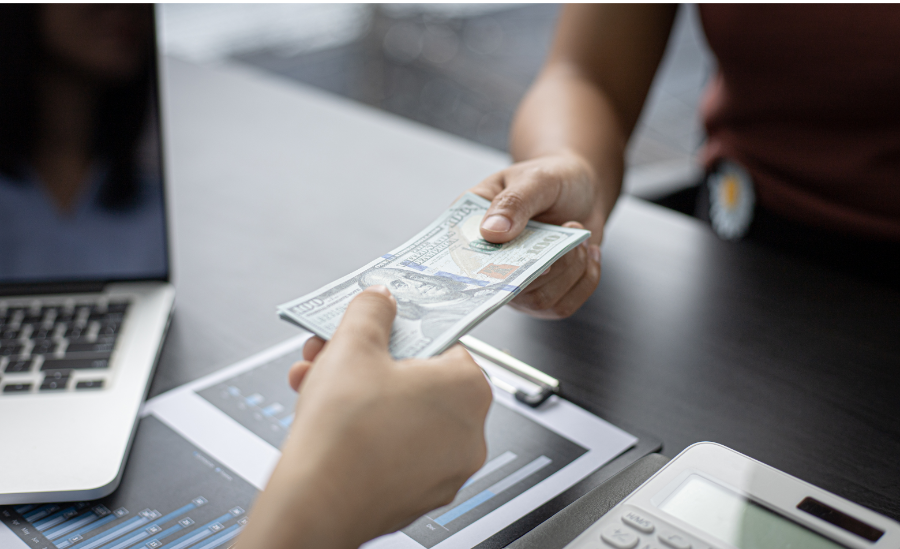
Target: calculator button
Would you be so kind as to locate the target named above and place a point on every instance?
(638, 522)
(675, 541)
(620, 538)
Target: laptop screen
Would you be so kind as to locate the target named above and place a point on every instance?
(81, 194)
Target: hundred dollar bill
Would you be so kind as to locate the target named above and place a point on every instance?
(446, 279)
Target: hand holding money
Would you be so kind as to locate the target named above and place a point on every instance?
(559, 188)
(446, 279)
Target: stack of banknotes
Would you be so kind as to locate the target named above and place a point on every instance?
(446, 279)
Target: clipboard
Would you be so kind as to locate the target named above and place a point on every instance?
(537, 386)
(607, 484)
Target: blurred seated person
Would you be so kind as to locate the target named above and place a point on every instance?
(77, 173)
(375, 443)
(803, 126)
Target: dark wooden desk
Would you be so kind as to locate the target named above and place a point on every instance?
(277, 190)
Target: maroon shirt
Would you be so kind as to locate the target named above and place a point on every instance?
(807, 98)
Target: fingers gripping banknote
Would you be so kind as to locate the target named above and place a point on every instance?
(446, 279)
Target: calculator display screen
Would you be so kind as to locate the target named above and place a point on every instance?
(736, 520)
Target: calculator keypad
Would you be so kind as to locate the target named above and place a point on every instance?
(626, 527)
(619, 537)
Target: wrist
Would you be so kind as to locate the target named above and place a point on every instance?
(302, 508)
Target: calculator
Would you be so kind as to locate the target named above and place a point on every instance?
(712, 497)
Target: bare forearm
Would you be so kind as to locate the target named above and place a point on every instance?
(564, 113)
(296, 512)
(590, 93)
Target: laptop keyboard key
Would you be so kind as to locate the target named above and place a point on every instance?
(117, 306)
(54, 384)
(74, 332)
(99, 347)
(98, 361)
(17, 388)
(108, 329)
(42, 333)
(43, 347)
(18, 366)
(90, 384)
(10, 348)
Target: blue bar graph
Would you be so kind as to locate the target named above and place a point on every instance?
(56, 518)
(90, 525)
(272, 409)
(464, 507)
(72, 524)
(494, 490)
(164, 534)
(491, 466)
(128, 540)
(193, 537)
(158, 504)
(40, 512)
(113, 533)
(222, 537)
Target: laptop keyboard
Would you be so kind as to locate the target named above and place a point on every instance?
(54, 347)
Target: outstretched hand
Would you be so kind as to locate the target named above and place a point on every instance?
(557, 189)
(376, 442)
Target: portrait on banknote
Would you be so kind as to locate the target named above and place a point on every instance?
(438, 302)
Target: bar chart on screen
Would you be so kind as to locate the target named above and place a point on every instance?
(240, 416)
(260, 399)
(172, 496)
(521, 453)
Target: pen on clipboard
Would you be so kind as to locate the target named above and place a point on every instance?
(546, 385)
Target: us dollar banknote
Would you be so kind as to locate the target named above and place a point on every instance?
(446, 279)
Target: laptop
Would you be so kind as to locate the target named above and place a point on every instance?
(85, 297)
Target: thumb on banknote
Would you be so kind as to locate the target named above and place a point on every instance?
(368, 319)
(367, 323)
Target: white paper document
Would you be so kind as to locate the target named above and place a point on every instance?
(204, 450)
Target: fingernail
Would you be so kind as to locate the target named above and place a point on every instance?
(497, 224)
(546, 272)
(595, 253)
(381, 289)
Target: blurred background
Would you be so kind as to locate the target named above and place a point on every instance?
(460, 68)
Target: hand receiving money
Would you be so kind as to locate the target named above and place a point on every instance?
(446, 279)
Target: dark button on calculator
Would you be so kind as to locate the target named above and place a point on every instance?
(17, 388)
(91, 384)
